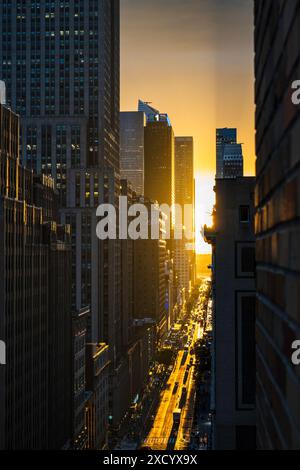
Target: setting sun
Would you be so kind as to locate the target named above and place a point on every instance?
(194, 86)
(205, 199)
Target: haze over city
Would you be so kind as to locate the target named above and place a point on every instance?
(194, 61)
(122, 122)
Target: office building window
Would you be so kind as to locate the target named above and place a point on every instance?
(245, 259)
(244, 214)
(248, 259)
(77, 190)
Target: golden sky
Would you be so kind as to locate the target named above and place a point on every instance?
(194, 60)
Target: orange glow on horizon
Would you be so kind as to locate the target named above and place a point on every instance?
(197, 68)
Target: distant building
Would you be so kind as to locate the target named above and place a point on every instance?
(184, 194)
(132, 149)
(277, 224)
(229, 155)
(35, 295)
(233, 161)
(234, 295)
(144, 107)
(184, 170)
(223, 137)
(159, 159)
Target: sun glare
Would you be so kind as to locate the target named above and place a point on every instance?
(205, 199)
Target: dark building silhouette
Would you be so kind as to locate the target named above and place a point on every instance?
(159, 159)
(277, 53)
(69, 107)
(184, 170)
(35, 298)
(127, 264)
(184, 252)
(97, 386)
(79, 333)
(233, 358)
(132, 149)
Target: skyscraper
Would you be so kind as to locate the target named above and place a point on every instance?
(60, 63)
(69, 110)
(277, 223)
(159, 159)
(184, 194)
(229, 156)
(35, 298)
(233, 162)
(144, 107)
(184, 170)
(132, 149)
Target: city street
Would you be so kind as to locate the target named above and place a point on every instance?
(178, 396)
(185, 427)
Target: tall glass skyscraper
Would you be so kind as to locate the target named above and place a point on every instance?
(224, 137)
(233, 161)
(159, 159)
(144, 107)
(184, 194)
(35, 299)
(60, 62)
(132, 125)
(184, 170)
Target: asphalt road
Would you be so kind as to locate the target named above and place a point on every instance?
(163, 431)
